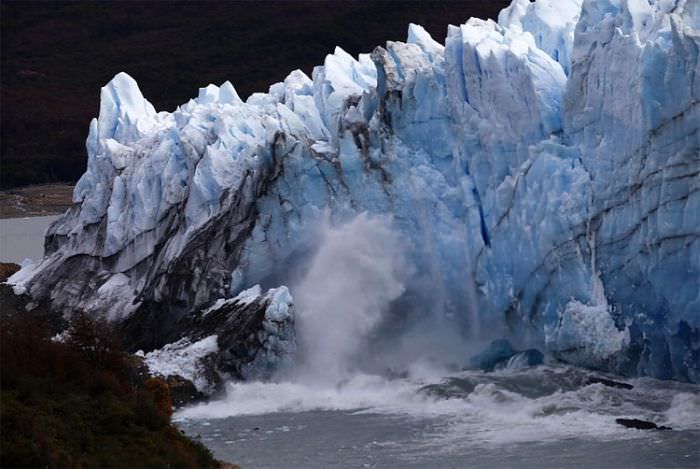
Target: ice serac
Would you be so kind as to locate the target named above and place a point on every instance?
(544, 170)
(550, 22)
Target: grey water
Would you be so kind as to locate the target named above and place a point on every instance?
(23, 238)
(541, 417)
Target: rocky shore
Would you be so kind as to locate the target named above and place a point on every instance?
(36, 200)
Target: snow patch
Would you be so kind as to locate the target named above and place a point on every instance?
(245, 297)
(183, 358)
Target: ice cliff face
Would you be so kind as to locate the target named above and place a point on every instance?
(544, 169)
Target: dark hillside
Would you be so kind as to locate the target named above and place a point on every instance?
(81, 402)
(56, 56)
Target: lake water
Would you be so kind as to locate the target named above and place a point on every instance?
(541, 417)
(23, 238)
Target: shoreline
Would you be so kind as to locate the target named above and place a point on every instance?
(36, 200)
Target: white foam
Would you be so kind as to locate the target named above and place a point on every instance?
(489, 415)
(684, 412)
(354, 394)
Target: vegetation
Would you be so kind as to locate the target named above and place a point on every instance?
(82, 402)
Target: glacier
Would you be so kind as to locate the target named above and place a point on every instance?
(543, 171)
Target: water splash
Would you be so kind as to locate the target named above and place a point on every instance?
(357, 272)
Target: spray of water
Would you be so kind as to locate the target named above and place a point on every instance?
(358, 270)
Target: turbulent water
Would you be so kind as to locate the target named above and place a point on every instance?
(541, 417)
(330, 409)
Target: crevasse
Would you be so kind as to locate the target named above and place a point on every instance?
(544, 171)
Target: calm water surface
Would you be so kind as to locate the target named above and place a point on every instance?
(23, 238)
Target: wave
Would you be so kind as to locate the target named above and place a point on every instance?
(507, 406)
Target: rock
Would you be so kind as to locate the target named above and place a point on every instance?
(12, 304)
(7, 269)
(249, 336)
(640, 424)
(608, 382)
(182, 391)
(255, 332)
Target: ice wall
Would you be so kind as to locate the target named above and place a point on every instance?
(545, 168)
